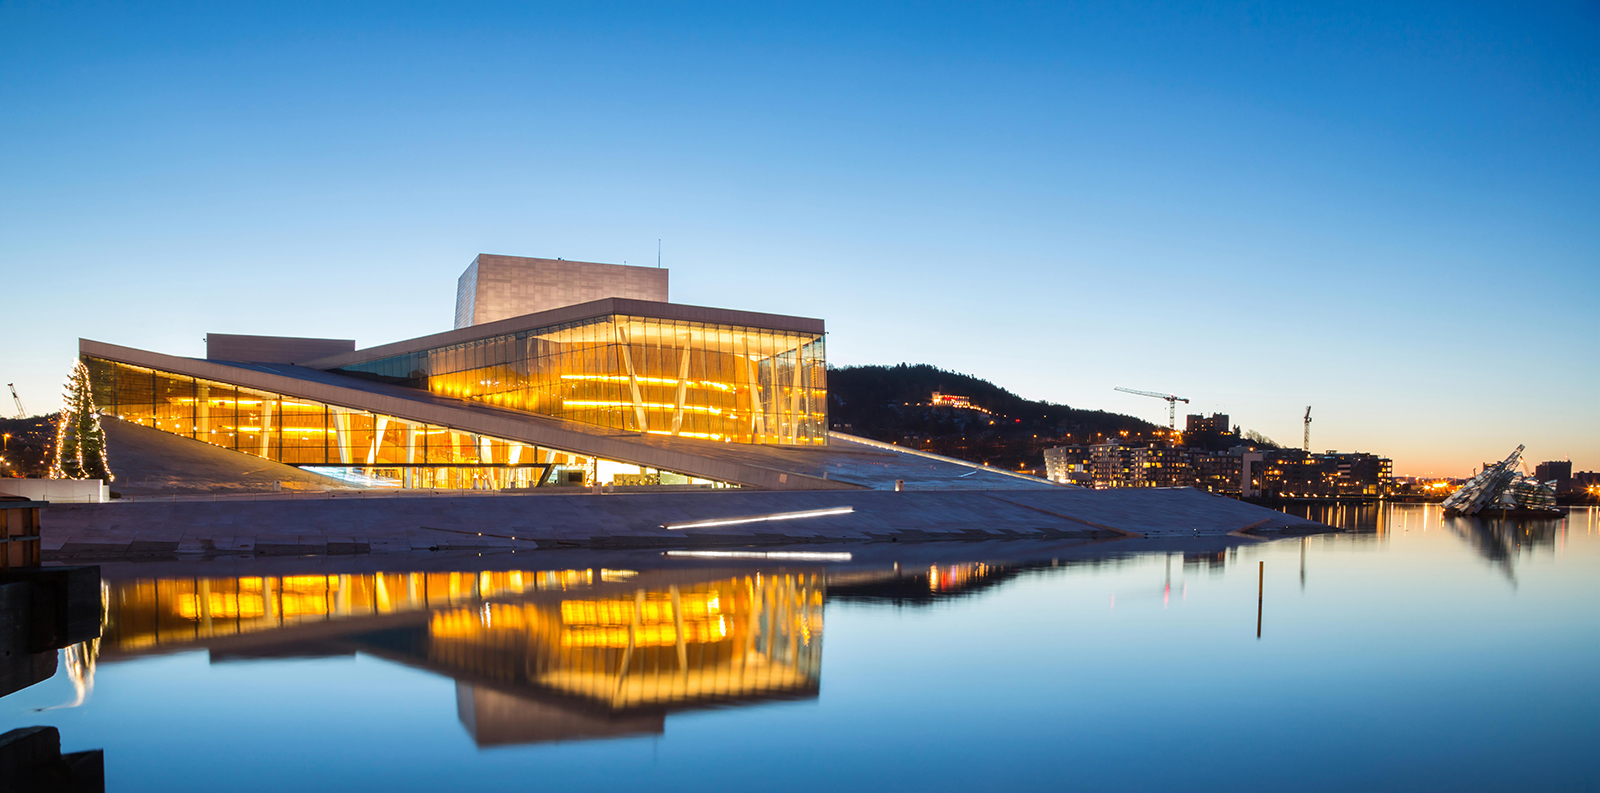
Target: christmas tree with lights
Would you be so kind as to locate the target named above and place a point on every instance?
(80, 440)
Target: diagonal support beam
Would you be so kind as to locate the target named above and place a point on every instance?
(683, 388)
(633, 379)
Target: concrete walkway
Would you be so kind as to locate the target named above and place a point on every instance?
(362, 525)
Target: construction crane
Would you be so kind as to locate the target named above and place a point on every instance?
(1306, 444)
(1172, 404)
(22, 412)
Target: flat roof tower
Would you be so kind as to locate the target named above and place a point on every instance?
(500, 287)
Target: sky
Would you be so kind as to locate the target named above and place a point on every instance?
(1389, 212)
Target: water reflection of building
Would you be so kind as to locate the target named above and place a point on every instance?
(1361, 519)
(154, 615)
(537, 656)
(632, 656)
(1214, 562)
(1500, 541)
(919, 585)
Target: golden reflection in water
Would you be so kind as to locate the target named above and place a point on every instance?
(698, 642)
(956, 577)
(146, 614)
(546, 655)
(80, 663)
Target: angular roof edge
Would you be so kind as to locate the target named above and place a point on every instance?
(680, 455)
(574, 313)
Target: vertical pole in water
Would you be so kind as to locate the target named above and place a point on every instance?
(1261, 587)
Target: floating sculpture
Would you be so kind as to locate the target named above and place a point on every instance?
(1500, 489)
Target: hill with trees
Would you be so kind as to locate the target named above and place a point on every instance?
(891, 403)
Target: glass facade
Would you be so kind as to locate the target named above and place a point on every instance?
(663, 377)
(366, 448)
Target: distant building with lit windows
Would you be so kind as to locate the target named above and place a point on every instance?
(1069, 465)
(950, 400)
(1116, 464)
(1269, 473)
(1297, 474)
(1196, 423)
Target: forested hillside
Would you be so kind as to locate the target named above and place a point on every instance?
(890, 403)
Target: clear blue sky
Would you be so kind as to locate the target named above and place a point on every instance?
(1388, 211)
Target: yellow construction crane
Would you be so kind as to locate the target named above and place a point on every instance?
(1306, 444)
(1172, 403)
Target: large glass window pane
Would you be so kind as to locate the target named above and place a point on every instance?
(304, 432)
(136, 394)
(258, 427)
(216, 419)
(102, 383)
(173, 405)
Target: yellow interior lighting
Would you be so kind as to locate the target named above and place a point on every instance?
(606, 403)
(614, 378)
(620, 612)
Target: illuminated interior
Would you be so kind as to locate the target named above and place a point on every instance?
(662, 377)
(361, 447)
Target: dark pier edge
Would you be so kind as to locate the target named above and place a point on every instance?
(31, 762)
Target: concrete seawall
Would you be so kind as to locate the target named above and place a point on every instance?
(367, 524)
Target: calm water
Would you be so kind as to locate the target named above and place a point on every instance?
(1420, 654)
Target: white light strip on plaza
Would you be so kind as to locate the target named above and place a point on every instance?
(806, 513)
(809, 556)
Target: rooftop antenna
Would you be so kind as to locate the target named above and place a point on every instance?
(1306, 444)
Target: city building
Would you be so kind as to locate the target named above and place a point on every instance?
(1195, 423)
(1116, 464)
(1165, 465)
(950, 401)
(1113, 464)
(1557, 471)
(1212, 433)
(457, 409)
(1269, 473)
(1216, 472)
(613, 391)
(1297, 474)
(1586, 482)
(461, 409)
(1069, 465)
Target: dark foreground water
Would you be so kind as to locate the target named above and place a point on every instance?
(1420, 654)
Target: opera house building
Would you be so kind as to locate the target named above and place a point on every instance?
(529, 390)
